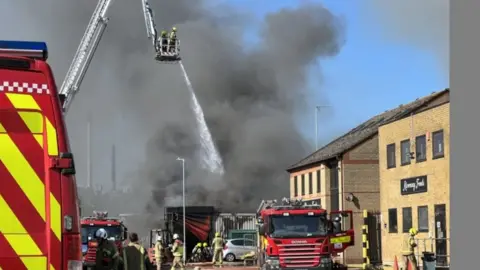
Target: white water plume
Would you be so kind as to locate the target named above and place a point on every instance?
(211, 157)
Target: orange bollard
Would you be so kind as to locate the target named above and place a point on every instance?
(395, 264)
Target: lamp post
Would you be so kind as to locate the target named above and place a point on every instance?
(183, 195)
(317, 109)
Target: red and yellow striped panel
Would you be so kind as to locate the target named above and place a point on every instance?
(31, 212)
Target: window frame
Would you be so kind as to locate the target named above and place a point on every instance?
(406, 226)
(402, 154)
(392, 213)
(390, 147)
(303, 184)
(295, 186)
(319, 189)
(234, 240)
(310, 182)
(424, 158)
(425, 207)
(442, 154)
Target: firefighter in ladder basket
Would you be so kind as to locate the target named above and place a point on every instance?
(163, 41)
(172, 41)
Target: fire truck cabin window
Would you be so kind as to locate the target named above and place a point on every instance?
(88, 232)
(298, 225)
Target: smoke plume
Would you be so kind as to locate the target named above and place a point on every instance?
(251, 96)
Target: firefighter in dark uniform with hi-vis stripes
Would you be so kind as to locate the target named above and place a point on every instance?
(107, 256)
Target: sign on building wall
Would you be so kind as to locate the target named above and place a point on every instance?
(413, 185)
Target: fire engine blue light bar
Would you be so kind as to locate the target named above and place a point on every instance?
(32, 49)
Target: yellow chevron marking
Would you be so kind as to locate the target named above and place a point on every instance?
(35, 263)
(23, 173)
(16, 235)
(23, 101)
(56, 216)
(51, 267)
(51, 139)
(33, 120)
(3, 130)
(39, 139)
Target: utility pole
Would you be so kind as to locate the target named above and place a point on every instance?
(89, 152)
(114, 175)
(184, 214)
(317, 109)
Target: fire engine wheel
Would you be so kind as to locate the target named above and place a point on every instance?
(230, 257)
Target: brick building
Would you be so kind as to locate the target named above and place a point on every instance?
(348, 165)
(415, 176)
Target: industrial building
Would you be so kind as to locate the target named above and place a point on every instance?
(345, 175)
(415, 177)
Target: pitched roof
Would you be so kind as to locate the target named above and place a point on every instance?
(364, 131)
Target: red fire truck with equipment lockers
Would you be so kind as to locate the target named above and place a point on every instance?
(40, 226)
(293, 235)
(115, 228)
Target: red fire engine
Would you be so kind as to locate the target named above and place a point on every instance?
(115, 228)
(299, 236)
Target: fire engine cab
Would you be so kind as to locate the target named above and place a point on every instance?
(293, 235)
(116, 230)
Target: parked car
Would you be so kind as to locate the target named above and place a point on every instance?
(235, 248)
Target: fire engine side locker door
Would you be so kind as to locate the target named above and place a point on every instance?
(340, 241)
(23, 199)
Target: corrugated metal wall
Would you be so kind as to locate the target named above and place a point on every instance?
(225, 222)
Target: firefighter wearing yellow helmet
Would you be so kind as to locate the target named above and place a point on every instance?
(164, 40)
(408, 252)
(217, 245)
(172, 40)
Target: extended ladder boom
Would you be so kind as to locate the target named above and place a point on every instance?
(150, 24)
(85, 52)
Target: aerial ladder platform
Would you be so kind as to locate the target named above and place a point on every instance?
(166, 50)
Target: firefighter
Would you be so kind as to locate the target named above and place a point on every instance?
(107, 256)
(164, 41)
(159, 252)
(206, 251)
(135, 256)
(217, 245)
(408, 251)
(177, 250)
(172, 39)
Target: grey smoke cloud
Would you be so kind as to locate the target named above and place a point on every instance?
(424, 24)
(250, 97)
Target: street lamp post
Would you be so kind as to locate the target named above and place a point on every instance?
(317, 108)
(184, 213)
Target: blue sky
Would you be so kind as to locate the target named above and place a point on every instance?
(373, 72)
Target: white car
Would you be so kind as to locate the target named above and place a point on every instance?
(235, 248)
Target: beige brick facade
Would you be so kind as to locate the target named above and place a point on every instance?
(434, 118)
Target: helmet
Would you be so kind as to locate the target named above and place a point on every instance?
(101, 234)
(174, 29)
(175, 236)
(164, 32)
(217, 234)
(159, 238)
(205, 244)
(412, 231)
(199, 244)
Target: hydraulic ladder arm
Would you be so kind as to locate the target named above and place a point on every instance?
(84, 54)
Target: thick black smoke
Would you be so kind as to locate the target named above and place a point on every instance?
(251, 95)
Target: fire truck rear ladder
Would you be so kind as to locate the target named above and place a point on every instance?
(91, 39)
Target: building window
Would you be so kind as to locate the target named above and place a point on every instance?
(423, 218)
(303, 184)
(392, 220)
(391, 156)
(421, 148)
(407, 219)
(318, 181)
(405, 152)
(438, 149)
(295, 187)
(310, 182)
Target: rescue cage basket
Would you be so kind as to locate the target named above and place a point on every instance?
(168, 52)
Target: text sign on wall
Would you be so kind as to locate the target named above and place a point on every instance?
(413, 185)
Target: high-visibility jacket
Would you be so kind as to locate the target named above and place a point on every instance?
(158, 250)
(217, 243)
(135, 257)
(408, 245)
(177, 248)
(107, 256)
